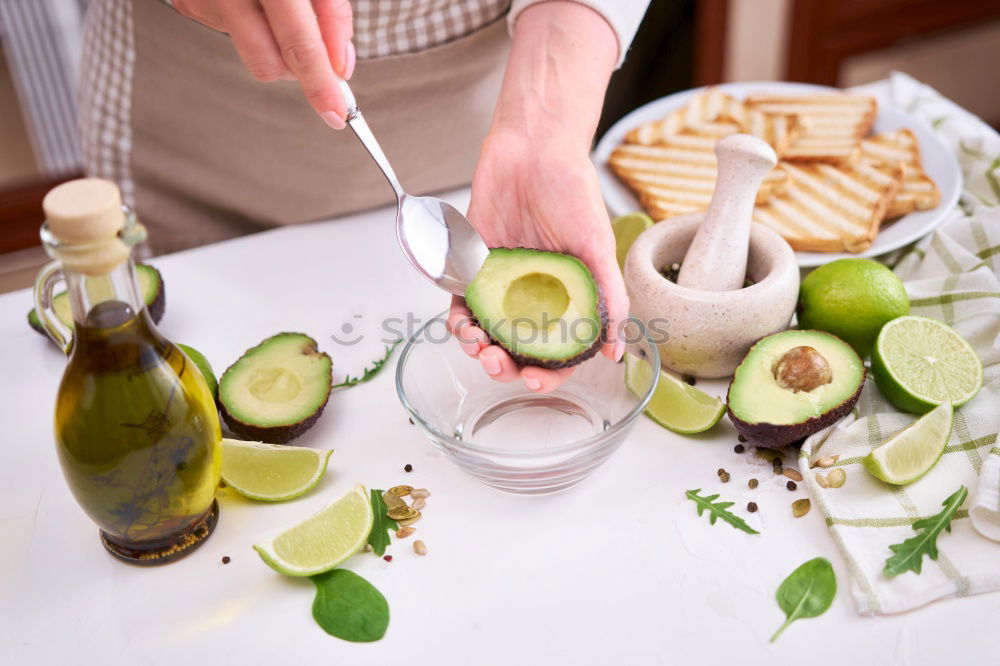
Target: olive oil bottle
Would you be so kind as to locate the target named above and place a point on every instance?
(137, 430)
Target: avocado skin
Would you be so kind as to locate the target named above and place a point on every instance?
(590, 352)
(775, 435)
(155, 309)
(273, 434)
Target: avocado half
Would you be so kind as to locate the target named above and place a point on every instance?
(276, 390)
(793, 384)
(544, 308)
(150, 284)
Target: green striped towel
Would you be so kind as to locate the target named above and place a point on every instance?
(951, 275)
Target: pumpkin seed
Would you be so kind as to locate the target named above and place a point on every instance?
(837, 477)
(404, 532)
(401, 491)
(401, 512)
(420, 493)
(392, 500)
(419, 547)
(792, 474)
(822, 480)
(801, 507)
(406, 522)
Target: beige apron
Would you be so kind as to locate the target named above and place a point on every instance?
(216, 154)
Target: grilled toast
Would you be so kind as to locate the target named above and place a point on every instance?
(918, 192)
(832, 124)
(827, 208)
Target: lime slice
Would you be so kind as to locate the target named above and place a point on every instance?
(675, 405)
(271, 472)
(322, 542)
(911, 453)
(920, 363)
(626, 229)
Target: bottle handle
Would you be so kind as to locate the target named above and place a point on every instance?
(50, 275)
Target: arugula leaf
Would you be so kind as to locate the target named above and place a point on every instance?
(369, 372)
(807, 592)
(378, 537)
(349, 607)
(718, 510)
(909, 555)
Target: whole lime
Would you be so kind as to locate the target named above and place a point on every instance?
(853, 299)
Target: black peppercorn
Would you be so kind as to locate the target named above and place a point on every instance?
(407, 467)
(739, 448)
(225, 559)
(791, 485)
(752, 507)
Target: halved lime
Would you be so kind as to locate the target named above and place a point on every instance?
(203, 366)
(324, 541)
(911, 453)
(920, 363)
(626, 229)
(675, 405)
(271, 472)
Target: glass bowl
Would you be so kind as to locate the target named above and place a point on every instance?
(507, 436)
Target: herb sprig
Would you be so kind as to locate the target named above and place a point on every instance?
(369, 372)
(909, 555)
(718, 510)
(378, 537)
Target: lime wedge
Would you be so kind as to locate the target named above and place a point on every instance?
(920, 363)
(910, 454)
(322, 542)
(203, 366)
(626, 229)
(271, 472)
(675, 405)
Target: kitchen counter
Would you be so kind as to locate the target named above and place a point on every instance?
(619, 570)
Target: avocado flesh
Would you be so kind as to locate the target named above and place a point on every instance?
(150, 285)
(276, 390)
(544, 308)
(766, 413)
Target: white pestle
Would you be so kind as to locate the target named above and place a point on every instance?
(717, 257)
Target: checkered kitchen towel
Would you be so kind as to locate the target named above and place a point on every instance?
(951, 275)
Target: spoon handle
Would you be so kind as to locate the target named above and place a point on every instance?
(361, 130)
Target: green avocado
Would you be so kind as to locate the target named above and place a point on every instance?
(792, 384)
(150, 284)
(276, 390)
(544, 308)
(204, 367)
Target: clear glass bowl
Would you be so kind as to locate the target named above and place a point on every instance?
(511, 438)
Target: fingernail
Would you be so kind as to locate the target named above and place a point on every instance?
(533, 383)
(333, 120)
(350, 55)
(491, 365)
(619, 349)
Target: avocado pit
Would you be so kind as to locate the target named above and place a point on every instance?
(802, 368)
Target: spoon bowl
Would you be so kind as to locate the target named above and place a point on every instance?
(435, 236)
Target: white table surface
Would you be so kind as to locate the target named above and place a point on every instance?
(618, 570)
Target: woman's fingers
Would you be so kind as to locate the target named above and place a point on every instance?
(604, 265)
(543, 380)
(498, 364)
(297, 33)
(336, 24)
(247, 27)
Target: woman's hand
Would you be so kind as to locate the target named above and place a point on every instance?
(534, 185)
(308, 40)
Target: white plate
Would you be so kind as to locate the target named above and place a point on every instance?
(939, 163)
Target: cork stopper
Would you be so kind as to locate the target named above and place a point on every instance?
(82, 211)
(85, 217)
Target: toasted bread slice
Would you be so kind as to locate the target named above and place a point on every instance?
(716, 114)
(918, 192)
(826, 208)
(678, 176)
(832, 124)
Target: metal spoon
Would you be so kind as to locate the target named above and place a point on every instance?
(437, 239)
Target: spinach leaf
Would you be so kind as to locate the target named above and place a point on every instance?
(807, 592)
(349, 607)
(378, 537)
